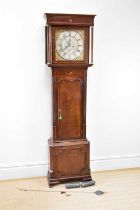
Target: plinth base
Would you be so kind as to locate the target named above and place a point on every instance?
(53, 182)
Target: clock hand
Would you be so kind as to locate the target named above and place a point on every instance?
(66, 47)
(69, 42)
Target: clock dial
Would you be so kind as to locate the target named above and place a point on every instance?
(70, 45)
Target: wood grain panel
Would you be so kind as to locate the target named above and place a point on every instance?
(70, 159)
(70, 104)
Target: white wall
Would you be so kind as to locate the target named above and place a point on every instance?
(113, 113)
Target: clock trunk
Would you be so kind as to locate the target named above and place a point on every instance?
(69, 108)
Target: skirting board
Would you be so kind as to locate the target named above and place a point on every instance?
(35, 169)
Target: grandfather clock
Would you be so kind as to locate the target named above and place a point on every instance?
(69, 53)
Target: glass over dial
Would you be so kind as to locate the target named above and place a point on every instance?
(69, 45)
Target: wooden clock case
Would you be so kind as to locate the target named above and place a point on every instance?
(69, 149)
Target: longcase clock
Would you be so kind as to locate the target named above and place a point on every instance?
(69, 53)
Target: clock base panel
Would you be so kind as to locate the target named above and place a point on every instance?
(69, 161)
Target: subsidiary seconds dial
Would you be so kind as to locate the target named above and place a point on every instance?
(69, 45)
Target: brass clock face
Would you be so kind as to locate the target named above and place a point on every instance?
(69, 45)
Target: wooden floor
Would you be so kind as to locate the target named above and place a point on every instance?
(121, 187)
